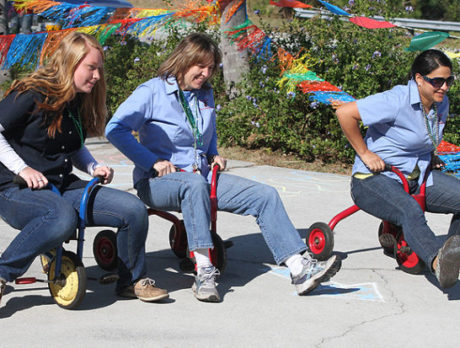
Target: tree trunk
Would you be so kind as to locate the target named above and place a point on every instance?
(3, 18)
(235, 62)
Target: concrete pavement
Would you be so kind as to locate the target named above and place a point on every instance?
(369, 303)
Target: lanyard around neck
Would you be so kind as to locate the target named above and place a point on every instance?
(197, 136)
(432, 129)
(77, 123)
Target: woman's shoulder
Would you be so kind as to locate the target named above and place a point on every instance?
(157, 85)
(394, 95)
(24, 97)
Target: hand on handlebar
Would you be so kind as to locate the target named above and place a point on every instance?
(164, 167)
(220, 161)
(104, 173)
(32, 178)
(437, 162)
(373, 162)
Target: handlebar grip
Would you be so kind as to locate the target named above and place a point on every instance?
(388, 167)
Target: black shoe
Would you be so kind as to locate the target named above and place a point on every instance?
(448, 262)
(2, 288)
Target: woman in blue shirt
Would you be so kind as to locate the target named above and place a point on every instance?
(405, 126)
(174, 114)
(44, 120)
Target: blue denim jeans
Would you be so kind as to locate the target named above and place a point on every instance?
(385, 198)
(47, 219)
(189, 193)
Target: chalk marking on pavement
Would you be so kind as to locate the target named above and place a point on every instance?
(359, 291)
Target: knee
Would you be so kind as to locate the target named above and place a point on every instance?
(134, 212)
(268, 193)
(62, 221)
(196, 187)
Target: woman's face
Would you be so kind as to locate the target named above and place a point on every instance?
(88, 71)
(429, 93)
(197, 75)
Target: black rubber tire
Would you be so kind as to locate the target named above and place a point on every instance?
(320, 240)
(387, 250)
(179, 250)
(105, 250)
(72, 290)
(219, 253)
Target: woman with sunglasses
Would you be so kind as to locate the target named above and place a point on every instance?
(405, 126)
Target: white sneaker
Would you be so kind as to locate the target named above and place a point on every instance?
(315, 272)
(204, 287)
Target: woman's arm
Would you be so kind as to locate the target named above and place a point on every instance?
(131, 116)
(349, 118)
(122, 138)
(14, 162)
(84, 161)
(8, 156)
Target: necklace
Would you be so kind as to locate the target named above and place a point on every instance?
(432, 128)
(193, 121)
(77, 123)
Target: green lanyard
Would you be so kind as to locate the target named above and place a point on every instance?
(77, 123)
(432, 129)
(198, 137)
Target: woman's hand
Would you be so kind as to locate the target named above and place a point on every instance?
(33, 178)
(222, 162)
(437, 162)
(104, 173)
(164, 167)
(372, 161)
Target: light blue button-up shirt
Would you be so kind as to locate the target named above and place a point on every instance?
(155, 111)
(397, 131)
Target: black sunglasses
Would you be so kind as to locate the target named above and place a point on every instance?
(438, 82)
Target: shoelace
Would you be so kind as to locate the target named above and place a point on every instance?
(147, 281)
(204, 277)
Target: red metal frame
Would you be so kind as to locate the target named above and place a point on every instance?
(420, 198)
(180, 237)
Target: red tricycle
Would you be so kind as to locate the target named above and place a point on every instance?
(105, 243)
(320, 237)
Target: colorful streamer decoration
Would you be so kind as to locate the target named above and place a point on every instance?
(370, 23)
(32, 49)
(427, 40)
(334, 9)
(290, 3)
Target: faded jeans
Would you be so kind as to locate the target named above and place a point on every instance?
(189, 193)
(385, 198)
(47, 219)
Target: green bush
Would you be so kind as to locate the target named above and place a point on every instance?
(130, 62)
(357, 60)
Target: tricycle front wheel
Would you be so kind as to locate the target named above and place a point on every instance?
(320, 240)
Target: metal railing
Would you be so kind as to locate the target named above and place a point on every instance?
(410, 23)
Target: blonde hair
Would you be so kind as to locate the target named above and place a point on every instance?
(55, 80)
(197, 48)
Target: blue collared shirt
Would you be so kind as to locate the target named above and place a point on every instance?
(397, 131)
(155, 111)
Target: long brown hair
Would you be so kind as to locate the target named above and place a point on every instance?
(55, 80)
(194, 49)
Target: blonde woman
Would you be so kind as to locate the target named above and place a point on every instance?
(175, 116)
(44, 120)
